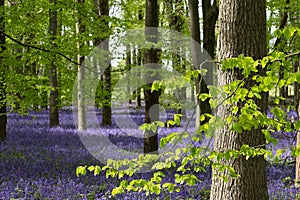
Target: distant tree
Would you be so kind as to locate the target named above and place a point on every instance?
(201, 86)
(174, 10)
(80, 29)
(106, 77)
(210, 16)
(53, 76)
(298, 158)
(3, 117)
(139, 61)
(151, 57)
(242, 30)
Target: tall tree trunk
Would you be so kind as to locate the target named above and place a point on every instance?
(296, 100)
(101, 8)
(151, 57)
(210, 17)
(80, 28)
(139, 61)
(242, 31)
(138, 90)
(201, 86)
(106, 77)
(53, 78)
(128, 67)
(295, 21)
(3, 117)
(176, 22)
(298, 158)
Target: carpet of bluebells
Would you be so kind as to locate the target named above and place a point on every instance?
(38, 162)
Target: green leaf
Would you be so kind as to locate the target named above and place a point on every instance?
(204, 96)
(156, 189)
(91, 168)
(163, 142)
(264, 62)
(170, 123)
(144, 127)
(202, 118)
(155, 86)
(97, 170)
(277, 33)
(117, 190)
(177, 118)
(81, 170)
(288, 32)
(160, 124)
(153, 128)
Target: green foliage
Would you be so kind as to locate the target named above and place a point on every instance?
(28, 86)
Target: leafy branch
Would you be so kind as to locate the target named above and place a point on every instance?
(39, 48)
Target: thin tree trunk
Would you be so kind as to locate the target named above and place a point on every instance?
(298, 158)
(210, 17)
(53, 78)
(128, 64)
(174, 9)
(297, 105)
(138, 90)
(151, 57)
(106, 77)
(139, 63)
(3, 117)
(80, 28)
(201, 86)
(242, 31)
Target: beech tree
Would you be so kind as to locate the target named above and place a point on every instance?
(151, 57)
(242, 30)
(80, 28)
(298, 158)
(201, 86)
(53, 79)
(106, 77)
(3, 118)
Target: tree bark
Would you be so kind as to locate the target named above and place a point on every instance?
(210, 17)
(298, 158)
(242, 31)
(106, 77)
(128, 67)
(80, 28)
(201, 86)
(53, 77)
(151, 57)
(174, 9)
(3, 116)
(138, 90)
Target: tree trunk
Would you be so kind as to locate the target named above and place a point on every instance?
(53, 78)
(106, 77)
(151, 57)
(80, 28)
(139, 61)
(128, 67)
(174, 9)
(201, 86)
(101, 9)
(138, 90)
(296, 99)
(3, 117)
(242, 31)
(210, 17)
(298, 158)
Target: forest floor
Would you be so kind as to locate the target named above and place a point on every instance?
(38, 162)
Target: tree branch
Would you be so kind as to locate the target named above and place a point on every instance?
(283, 22)
(40, 49)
